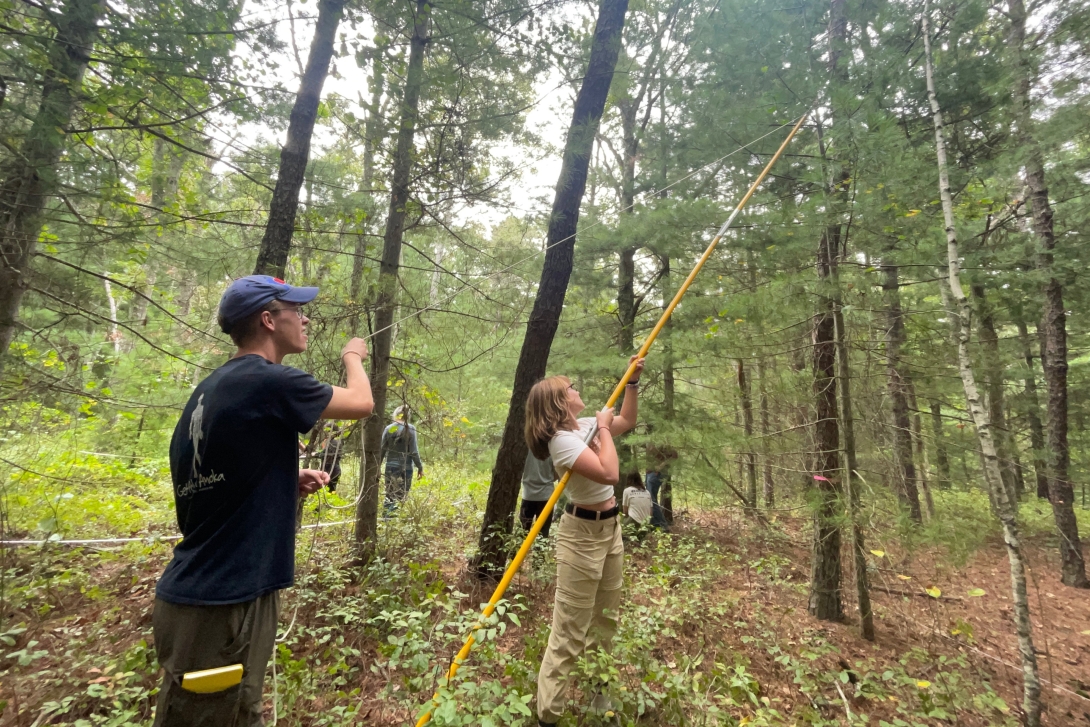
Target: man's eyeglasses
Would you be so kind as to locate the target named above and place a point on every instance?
(295, 309)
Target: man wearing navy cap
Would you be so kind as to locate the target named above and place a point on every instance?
(234, 463)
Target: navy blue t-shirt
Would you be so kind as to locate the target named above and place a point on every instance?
(234, 459)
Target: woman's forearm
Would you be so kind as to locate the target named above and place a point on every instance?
(626, 420)
(607, 455)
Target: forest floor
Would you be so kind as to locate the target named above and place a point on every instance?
(714, 629)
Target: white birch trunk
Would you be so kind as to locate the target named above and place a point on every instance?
(957, 306)
(115, 335)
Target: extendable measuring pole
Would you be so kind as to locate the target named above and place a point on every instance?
(520, 556)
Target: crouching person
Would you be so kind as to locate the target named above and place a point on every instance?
(589, 550)
(234, 463)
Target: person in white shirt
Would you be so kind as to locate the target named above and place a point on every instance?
(636, 502)
(589, 550)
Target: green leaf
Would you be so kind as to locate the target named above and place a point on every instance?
(976, 592)
(933, 591)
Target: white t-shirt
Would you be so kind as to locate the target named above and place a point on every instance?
(565, 447)
(638, 503)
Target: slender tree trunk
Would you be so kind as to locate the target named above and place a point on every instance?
(1033, 412)
(851, 483)
(114, 336)
(373, 132)
(957, 305)
(768, 484)
(750, 457)
(1054, 323)
(272, 258)
(905, 467)
(30, 177)
(386, 302)
(548, 306)
(626, 272)
(942, 460)
(921, 452)
(825, 573)
(992, 366)
(666, 494)
(825, 600)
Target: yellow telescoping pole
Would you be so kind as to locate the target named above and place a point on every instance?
(520, 556)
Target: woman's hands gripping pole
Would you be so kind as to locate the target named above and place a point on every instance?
(599, 463)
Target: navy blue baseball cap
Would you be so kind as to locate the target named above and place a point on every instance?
(248, 295)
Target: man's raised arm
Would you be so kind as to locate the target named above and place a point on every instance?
(353, 400)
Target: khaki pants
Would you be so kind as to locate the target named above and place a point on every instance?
(589, 564)
(192, 638)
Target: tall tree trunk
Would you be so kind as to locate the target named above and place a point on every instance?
(272, 258)
(31, 176)
(548, 306)
(905, 468)
(957, 305)
(666, 494)
(750, 457)
(386, 302)
(942, 460)
(373, 132)
(851, 484)
(825, 572)
(921, 452)
(1054, 324)
(626, 271)
(825, 601)
(992, 366)
(1033, 411)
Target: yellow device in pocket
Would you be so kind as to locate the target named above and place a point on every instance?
(208, 681)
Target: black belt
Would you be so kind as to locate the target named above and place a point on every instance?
(584, 514)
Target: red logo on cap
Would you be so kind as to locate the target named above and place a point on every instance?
(280, 281)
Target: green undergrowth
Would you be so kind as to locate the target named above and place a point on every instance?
(371, 644)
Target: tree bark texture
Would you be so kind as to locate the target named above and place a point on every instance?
(957, 305)
(750, 457)
(272, 258)
(1053, 320)
(768, 484)
(904, 464)
(851, 483)
(825, 598)
(942, 459)
(31, 176)
(374, 130)
(386, 301)
(921, 452)
(992, 368)
(825, 573)
(553, 285)
(1033, 412)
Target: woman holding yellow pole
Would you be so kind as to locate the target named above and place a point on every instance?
(589, 551)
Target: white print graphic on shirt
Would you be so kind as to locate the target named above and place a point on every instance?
(196, 434)
(198, 482)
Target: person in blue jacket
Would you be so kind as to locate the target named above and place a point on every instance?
(400, 451)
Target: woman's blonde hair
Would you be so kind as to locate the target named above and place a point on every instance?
(546, 413)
